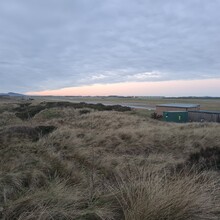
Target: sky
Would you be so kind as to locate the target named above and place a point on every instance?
(106, 47)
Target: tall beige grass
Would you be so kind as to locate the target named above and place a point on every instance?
(145, 195)
(105, 165)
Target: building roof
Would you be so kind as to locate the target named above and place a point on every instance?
(207, 112)
(179, 105)
(177, 111)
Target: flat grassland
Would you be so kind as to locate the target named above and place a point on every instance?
(65, 161)
(147, 102)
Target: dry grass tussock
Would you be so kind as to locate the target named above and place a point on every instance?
(107, 165)
(57, 201)
(148, 195)
(8, 118)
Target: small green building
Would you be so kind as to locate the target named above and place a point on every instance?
(176, 116)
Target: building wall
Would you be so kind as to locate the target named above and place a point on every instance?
(203, 117)
(161, 109)
(178, 117)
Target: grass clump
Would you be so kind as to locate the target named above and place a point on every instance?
(145, 195)
(8, 118)
(50, 114)
(25, 132)
(57, 201)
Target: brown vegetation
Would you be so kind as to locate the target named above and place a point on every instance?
(70, 163)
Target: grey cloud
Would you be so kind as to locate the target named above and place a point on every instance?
(53, 44)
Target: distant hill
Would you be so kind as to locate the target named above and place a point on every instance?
(11, 94)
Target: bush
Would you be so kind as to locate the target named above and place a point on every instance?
(156, 116)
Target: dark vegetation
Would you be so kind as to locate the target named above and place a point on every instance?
(27, 111)
(206, 159)
(20, 132)
(154, 115)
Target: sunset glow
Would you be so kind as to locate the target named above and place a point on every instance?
(210, 87)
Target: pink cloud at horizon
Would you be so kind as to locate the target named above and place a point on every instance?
(208, 87)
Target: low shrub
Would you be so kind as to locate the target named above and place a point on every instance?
(154, 115)
(84, 111)
(206, 159)
(26, 132)
(25, 112)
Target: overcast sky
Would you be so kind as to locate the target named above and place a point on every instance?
(52, 44)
